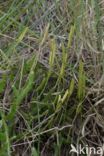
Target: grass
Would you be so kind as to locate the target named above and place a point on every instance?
(51, 76)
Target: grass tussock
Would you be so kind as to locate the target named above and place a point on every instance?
(51, 76)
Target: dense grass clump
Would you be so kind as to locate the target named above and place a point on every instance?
(51, 76)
